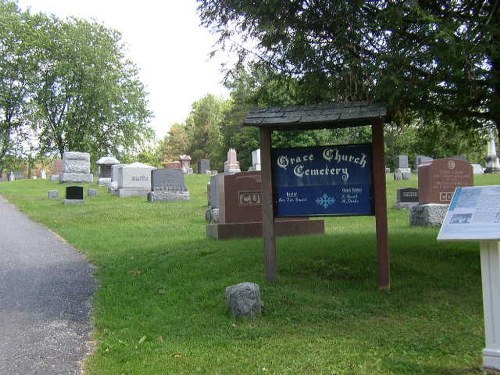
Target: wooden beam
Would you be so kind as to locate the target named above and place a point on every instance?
(384, 273)
(268, 232)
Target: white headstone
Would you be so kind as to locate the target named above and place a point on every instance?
(134, 179)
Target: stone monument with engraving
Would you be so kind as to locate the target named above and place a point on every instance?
(133, 180)
(437, 181)
(168, 185)
(76, 167)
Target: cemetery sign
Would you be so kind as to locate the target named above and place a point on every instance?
(323, 181)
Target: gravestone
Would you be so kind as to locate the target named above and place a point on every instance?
(492, 162)
(43, 174)
(204, 166)
(11, 176)
(74, 195)
(421, 159)
(232, 165)
(168, 185)
(173, 165)
(406, 198)
(477, 169)
(57, 169)
(256, 160)
(76, 167)
(133, 180)
(53, 194)
(437, 179)
(403, 171)
(239, 206)
(113, 185)
(186, 164)
(92, 192)
(105, 163)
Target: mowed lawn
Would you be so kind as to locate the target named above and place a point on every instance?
(160, 306)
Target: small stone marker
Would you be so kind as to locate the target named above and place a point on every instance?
(74, 195)
(406, 198)
(244, 300)
(92, 192)
(53, 194)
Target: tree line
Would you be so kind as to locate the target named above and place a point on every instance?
(66, 85)
(436, 65)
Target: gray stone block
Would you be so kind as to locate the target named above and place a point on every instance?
(244, 300)
(53, 194)
(166, 196)
(428, 214)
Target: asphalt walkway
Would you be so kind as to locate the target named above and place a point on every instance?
(46, 288)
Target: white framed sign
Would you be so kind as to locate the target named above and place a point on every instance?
(474, 214)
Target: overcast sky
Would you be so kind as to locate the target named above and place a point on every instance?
(164, 40)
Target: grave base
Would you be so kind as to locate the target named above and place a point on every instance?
(405, 205)
(104, 181)
(428, 214)
(76, 177)
(168, 196)
(74, 201)
(293, 227)
(491, 359)
(129, 192)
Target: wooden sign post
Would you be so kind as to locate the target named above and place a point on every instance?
(320, 117)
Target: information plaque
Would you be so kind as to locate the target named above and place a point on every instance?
(323, 181)
(474, 214)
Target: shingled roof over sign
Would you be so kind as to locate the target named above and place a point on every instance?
(331, 115)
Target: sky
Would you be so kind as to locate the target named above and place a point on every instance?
(164, 40)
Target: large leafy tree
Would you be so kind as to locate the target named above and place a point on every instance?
(88, 95)
(436, 60)
(175, 143)
(16, 73)
(203, 127)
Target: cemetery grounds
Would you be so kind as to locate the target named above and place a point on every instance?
(160, 306)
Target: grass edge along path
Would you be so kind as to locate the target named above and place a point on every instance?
(160, 307)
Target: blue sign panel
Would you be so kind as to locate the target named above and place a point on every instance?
(323, 181)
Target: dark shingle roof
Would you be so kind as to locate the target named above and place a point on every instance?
(331, 115)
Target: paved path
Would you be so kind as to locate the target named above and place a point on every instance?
(45, 292)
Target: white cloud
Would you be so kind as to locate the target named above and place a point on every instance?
(164, 40)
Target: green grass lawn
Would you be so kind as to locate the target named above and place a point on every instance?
(160, 307)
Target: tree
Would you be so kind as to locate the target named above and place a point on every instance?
(203, 127)
(87, 94)
(425, 59)
(16, 70)
(175, 143)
